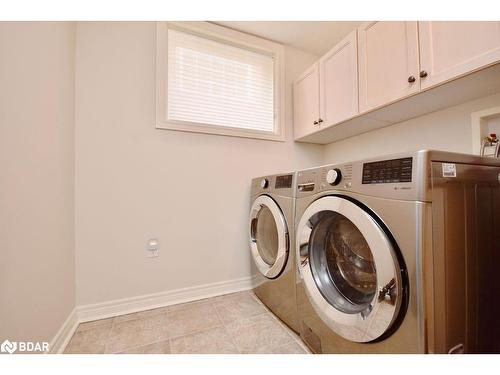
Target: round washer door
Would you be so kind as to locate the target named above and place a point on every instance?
(349, 268)
(268, 236)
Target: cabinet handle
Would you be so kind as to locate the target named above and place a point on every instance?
(315, 122)
(320, 120)
(423, 74)
(411, 79)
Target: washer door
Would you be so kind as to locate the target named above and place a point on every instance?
(268, 237)
(349, 268)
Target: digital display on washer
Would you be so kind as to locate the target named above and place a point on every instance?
(387, 171)
(283, 182)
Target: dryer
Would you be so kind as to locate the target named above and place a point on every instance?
(271, 238)
(399, 254)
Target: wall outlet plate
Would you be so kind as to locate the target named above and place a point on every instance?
(153, 248)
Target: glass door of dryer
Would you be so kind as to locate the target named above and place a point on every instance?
(269, 241)
(349, 267)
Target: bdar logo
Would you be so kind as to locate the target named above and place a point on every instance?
(8, 347)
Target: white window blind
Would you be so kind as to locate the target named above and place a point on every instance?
(219, 84)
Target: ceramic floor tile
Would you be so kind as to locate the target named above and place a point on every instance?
(95, 324)
(230, 296)
(213, 341)
(89, 341)
(140, 314)
(237, 306)
(259, 334)
(191, 319)
(230, 323)
(162, 347)
(190, 305)
(290, 348)
(139, 332)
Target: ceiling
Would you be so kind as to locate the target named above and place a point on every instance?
(315, 37)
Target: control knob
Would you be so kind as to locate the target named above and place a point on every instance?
(264, 183)
(333, 176)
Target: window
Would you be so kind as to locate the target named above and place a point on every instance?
(212, 79)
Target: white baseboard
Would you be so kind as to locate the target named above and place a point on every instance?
(109, 309)
(87, 313)
(66, 331)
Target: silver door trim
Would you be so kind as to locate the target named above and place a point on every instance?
(367, 325)
(269, 271)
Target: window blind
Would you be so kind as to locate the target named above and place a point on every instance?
(214, 83)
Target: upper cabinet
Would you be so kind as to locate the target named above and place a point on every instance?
(338, 82)
(452, 49)
(388, 63)
(388, 72)
(306, 102)
(327, 93)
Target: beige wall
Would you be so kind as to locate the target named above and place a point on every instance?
(448, 129)
(36, 179)
(134, 182)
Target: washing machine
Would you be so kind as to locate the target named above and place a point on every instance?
(400, 254)
(271, 234)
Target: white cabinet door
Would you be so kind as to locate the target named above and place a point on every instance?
(306, 102)
(338, 82)
(388, 63)
(451, 49)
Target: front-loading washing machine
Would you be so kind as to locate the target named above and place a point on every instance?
(400, 254)
(271, 235)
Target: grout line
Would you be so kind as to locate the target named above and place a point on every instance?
(109, 335)
(170, 339)
(170, 345)
(131, 320)
(295, 337)
(193, 333)
(268, 311)
(225, 328)
(140, 346)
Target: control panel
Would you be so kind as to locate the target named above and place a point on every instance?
(284, 182)
(387, 171)
(280, 184)
(369, 177)
(324, 178)
(393, 178)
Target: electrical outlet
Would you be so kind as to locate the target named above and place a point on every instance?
(153, 248)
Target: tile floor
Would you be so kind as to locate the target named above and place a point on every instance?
(233, 323)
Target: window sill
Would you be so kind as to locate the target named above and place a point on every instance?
(218, 130)
(209, 30)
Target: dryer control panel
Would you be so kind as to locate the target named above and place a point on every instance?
(281, 184)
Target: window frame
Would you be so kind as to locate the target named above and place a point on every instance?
(228, 36)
